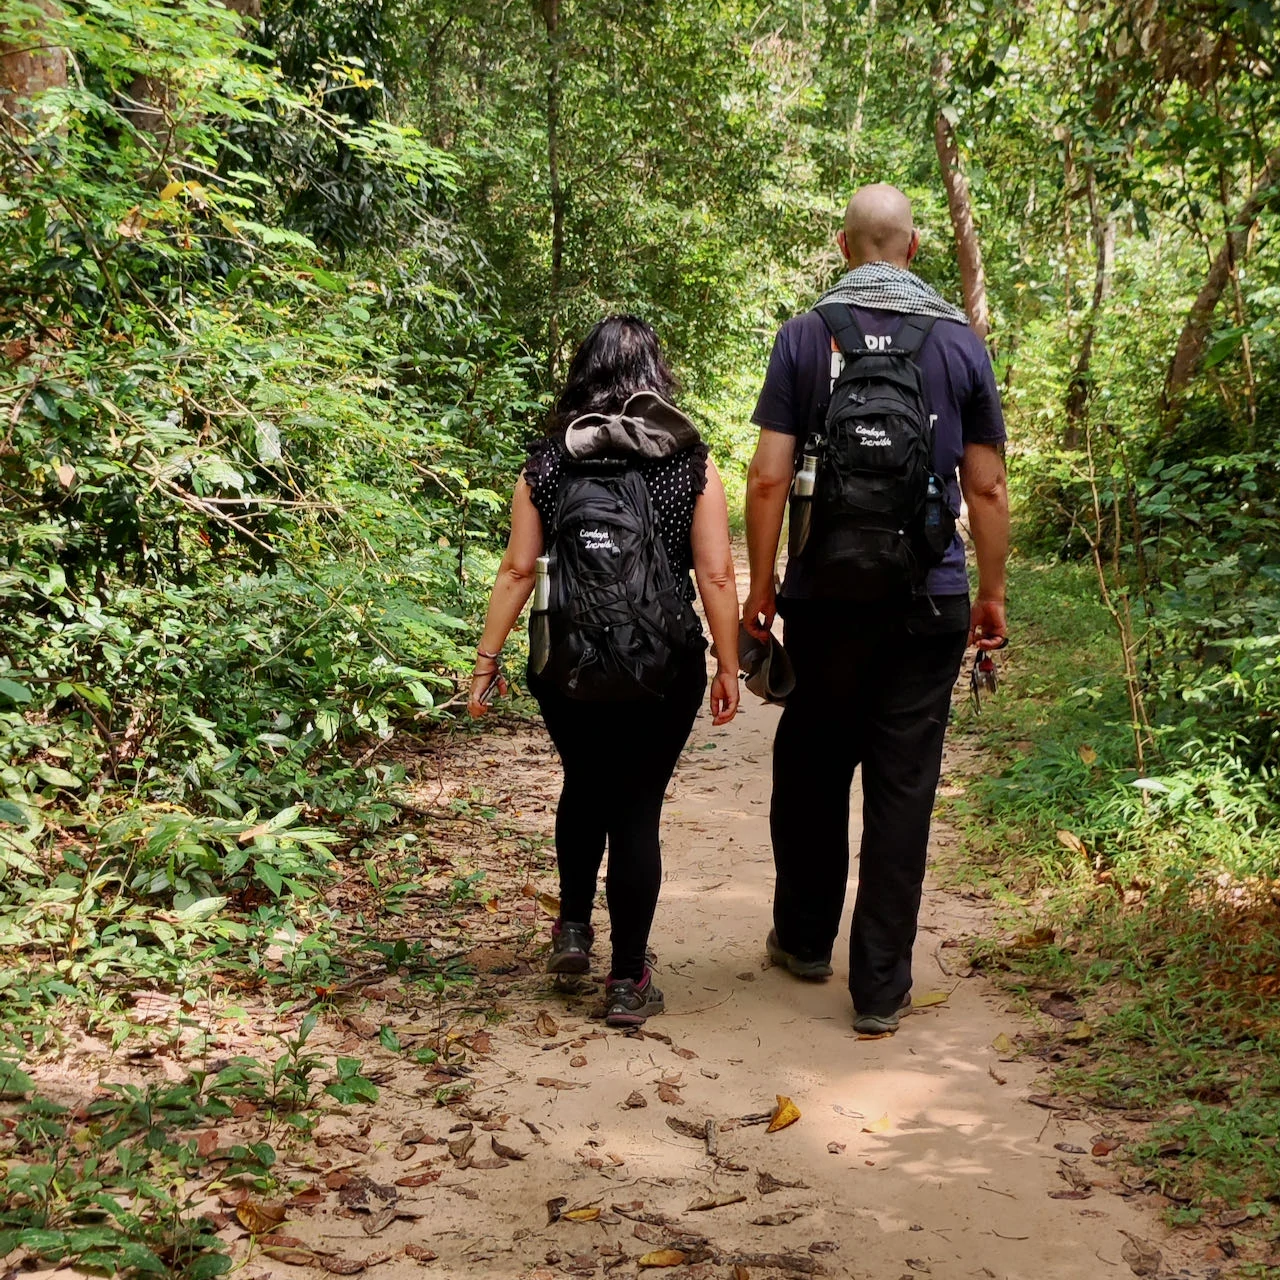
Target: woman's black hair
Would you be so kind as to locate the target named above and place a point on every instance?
(620, 356)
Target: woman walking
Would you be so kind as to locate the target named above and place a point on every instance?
(618, 752)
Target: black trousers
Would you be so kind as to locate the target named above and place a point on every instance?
(872, 689)
(618, 758)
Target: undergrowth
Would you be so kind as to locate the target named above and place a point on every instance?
(1152, 900)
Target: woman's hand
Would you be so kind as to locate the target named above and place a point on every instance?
(481, 684)
(724, 695)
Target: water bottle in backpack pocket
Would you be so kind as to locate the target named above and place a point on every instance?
(540, 619)
(801, 517)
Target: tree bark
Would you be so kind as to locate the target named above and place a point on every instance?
(30, 64)
(973, 280)
(1195, 331)
(1104, 244)
(551, 19)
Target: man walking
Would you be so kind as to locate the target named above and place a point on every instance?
(875, 655)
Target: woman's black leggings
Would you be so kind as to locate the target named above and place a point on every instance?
(618, 758)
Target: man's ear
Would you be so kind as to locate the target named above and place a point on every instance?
(843, 241)
(914, 247)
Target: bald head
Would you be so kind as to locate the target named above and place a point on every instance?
(878, 226)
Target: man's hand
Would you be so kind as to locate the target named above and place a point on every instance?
(987, 626)
(759, 611)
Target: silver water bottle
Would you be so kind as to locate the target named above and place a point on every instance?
(539, 622)
(802, 488)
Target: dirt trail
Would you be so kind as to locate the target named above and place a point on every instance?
(916, 1155)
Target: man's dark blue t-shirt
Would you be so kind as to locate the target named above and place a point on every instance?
(959, 388)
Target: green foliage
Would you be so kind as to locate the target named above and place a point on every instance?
(117, 1185)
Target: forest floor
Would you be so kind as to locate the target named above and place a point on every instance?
(514, 1135)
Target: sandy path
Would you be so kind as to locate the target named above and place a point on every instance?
(954, 1179)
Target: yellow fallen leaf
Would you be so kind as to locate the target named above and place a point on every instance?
(1069, 840)
(1079, 1033)
(1002, 1044)
(66, 475)
(787, 1113)
(1088, 754)
(172, 190)
(258, 1218)
(584, 1215)
(550, 904)
(930, 998)
(491, 906)
(662, 1258)
(883, 1125)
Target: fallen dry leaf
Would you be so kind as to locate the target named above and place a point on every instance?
(589, 1214)
(929, 999)
(280, 1242)
(420, 1253)
(683, 1053)
(779, 1219)
(506, 1152)
(786, 1113)
(292, 1256)
(405, 1152)
(243, 1109)
(555, 1206)
(419, 1179)
(550, 1082)
(550, 904)
(662, 1258)
(883, 1125)
(1143, 1257)
(339, 1266)
(459, 1146)
(577, 1060)
(1087, 753)
(1105, 1146)
(546, 1025)
(767, 1184)
(1069, 840)
(307, 1199)
(207, 1143)
(1002, 1044)
(836, 1148)
(1062, 1005)
(635, 1099)
(1079, 1034)
(1070, 1148)
(1074, 1193)
(257, 1218)
(488, 1163)
(716, 1202)
(669, 1094)
(824, 1246)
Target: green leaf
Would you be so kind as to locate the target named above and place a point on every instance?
(14, 691)
(269, 876)
(388, 1039)
(208, 1265)
(14, 1082)
(56, 777)
(12, 813)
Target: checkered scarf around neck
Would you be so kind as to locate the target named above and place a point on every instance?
(880, 286)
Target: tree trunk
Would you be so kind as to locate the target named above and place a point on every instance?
(855, 129)
(1104, 244)
(29, 64)
(1195, 332)
(551, 17)
(969, 252)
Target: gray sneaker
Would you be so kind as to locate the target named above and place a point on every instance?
(812, 970)
(628, 1003)
(879, 1024)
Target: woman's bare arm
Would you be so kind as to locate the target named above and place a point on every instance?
(511, 591)
(717, 585)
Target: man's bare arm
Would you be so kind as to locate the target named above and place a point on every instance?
(986, 492)
(768, 484)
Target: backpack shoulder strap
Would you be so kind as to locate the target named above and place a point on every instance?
(839, 318)
(911, 337)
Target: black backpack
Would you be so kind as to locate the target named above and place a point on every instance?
(618, 622)
(880, 519)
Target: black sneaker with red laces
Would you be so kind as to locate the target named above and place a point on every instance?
(629, 1003)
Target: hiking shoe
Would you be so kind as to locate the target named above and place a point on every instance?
(629, 1003)
(813, 970)
(879, 1024)
(570, 947)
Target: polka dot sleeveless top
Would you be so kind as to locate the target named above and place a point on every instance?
(674, 485)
